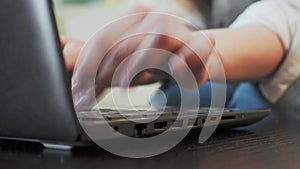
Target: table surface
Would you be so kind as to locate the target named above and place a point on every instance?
(271, 143)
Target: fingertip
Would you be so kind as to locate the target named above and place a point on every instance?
(63, 40)
(83, 103)
(70, 66)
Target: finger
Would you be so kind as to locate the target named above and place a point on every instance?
(71, 50)
(145, 57)
(95, 50)
(63, 40)
(133, 39)
(152, 53)
(85, 99)
(145, 54)
(116, 56)
(193, 56)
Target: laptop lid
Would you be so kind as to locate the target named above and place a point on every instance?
(35, 100)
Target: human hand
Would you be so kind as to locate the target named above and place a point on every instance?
(71, 48)
(117, 54)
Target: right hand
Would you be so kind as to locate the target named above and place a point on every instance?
(159, 31)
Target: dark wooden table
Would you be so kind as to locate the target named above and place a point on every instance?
(272, 143)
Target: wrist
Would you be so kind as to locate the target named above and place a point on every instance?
(213, 62)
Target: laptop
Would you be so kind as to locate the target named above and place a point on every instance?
(35, 92)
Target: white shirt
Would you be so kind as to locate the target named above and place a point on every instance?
(283, 18)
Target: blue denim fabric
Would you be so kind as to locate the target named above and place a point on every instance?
(244, 96)
(247, 97)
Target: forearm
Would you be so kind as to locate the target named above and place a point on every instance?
(249, 53)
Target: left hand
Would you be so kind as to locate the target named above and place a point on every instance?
(71, 49)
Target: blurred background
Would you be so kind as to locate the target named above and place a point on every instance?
(81, 18)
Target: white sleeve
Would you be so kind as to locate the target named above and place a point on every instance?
(283, 18)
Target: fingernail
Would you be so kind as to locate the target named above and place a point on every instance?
(83, 103)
